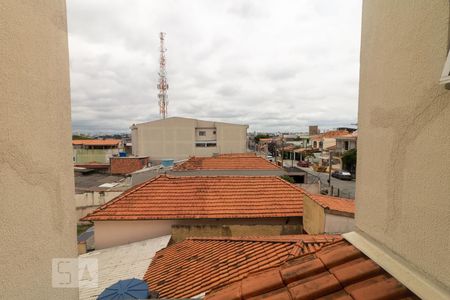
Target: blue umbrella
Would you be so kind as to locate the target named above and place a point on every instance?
(125, 289)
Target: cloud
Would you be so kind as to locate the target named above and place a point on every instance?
(277, 66)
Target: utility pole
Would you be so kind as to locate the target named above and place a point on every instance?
(329, 169)
(282, 150)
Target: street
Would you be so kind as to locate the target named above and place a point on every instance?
(346, 188)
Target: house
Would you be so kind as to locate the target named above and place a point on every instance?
(195, 266)
(326, 140)
(335, 271)
(327, 214)
(346, 142)
(218, 205)
(179, 138)
(241, 164)
(119, 263)
(98, 151)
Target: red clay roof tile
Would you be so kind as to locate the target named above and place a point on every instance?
(96, 142)
(227, 162)
(336, 271)
(198, 265)
(204, 197)
(334, 204)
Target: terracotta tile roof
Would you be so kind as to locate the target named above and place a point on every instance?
(96, 142)
(226, 162)
(330, 134)
(204, 197)
(337, 271)
(245, 154)
(199, 265)
(334, 204)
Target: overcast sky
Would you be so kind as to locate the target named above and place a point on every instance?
(275, 65)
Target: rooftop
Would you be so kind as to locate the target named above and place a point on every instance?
(336, 271)
(204, 197)
(227, 162)
(330, 134)
(334, 204)
(199, 265)
(96, 142)
(93, 181)
(121, 262)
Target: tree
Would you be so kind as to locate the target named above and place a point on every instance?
(349, 161)
(272, 148)
(261, 136)
(81, 137)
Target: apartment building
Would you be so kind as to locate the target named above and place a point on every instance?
(179, 138)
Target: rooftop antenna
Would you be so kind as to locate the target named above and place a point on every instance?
(163, 86)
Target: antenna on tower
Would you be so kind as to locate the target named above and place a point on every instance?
(163, 86)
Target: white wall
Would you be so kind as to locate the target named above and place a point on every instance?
(36, 173)
(338, 224)
(175, 138)
(403, 183)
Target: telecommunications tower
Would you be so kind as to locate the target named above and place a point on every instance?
(162, 84)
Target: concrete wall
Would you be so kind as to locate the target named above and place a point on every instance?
(313, 216)
(81, 156)
(113, 233)
(36, 172)
(181, 232)
(88, 202)
(338, 224)
(176, 137)
(402, 192)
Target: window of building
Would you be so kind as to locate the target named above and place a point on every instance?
(345, 145)
(214, 132)
(211, 144)
(202, 133)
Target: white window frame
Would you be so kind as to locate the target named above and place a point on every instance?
(445, 76)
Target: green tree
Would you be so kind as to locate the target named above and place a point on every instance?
(81, 137)
(349, 161)
(261, 136)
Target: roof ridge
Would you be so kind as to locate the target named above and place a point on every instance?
(292, 238)
(290, 184)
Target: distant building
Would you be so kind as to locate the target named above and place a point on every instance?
(219, 205)
(179, 138)
(98, 151)
(327, 214)
(313, 130)
(346, 142)
(327, 140)
(244, 164)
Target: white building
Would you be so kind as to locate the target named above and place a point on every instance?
(179, 138)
